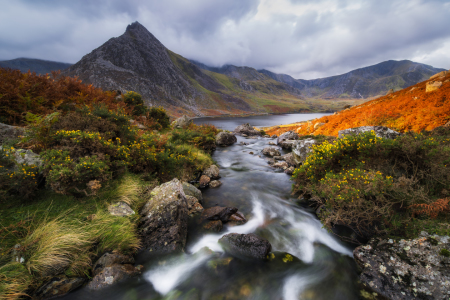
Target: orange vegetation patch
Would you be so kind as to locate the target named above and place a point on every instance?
(411, 109)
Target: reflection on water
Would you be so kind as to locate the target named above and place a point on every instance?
(307, 261)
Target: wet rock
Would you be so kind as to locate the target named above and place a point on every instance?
(243, 143)
(190, 190)
(302, 149)
(120, 209)
(289, 170)
(109, 259)
(214, 226)
(287, 144)
(225, 139)
(281, 165)
(247, 130)
(212, 172)
(218, 213)
(8, 132)
(290, 135)
(380, 131)
(433, 85)
(204, 181)
(215, 183)
(278, 158)
(272, 144)
(406, 269)
(246, 245)
(274, 136)
(164, 219)
(290, 160)
(266, 136)
(237, 218)
(58, 286)
(270, 151)
(182, 122)
(194, 207)
(111, 275)
(251, 152)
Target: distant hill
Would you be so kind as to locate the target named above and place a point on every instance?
(365, 82)
(38, 66)
(138, 61)
(414, 108)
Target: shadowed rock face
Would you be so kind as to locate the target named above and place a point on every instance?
(246, 245)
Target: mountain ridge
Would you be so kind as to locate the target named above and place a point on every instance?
(39, 66)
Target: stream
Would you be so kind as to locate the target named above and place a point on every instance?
(307, 262)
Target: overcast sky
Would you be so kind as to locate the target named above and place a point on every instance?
(303, 38)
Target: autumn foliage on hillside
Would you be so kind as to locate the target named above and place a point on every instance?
(411, 109)
(43, 94)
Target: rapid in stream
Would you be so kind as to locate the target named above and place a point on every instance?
(307, 262)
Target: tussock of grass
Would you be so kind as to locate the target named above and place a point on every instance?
(128, 190)
(14, 280)
(53, 245)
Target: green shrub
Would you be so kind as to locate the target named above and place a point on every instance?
(201, 136)
(134, 100)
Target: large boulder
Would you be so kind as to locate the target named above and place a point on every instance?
(301, 150)
(58, 286)
(290, 160)
(247, 130)
(245, 245)
(164, 219)
(440, 74)
(290, 135)
(406, 269)
(190, 190)
(380, 131)
(225, 138)
(271, 151)
(8, 132)
(182, 122)
(212, 172)
(433, 85)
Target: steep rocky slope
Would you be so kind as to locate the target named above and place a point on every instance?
(365, 82)
(137, 61)
(38, 66)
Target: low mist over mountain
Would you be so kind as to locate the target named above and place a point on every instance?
(137, 61)
(34, 65)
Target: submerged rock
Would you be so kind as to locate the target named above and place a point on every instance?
(164, 218)
(246, 245)
(247, 130)
(218, 213)
(380, 131)
(225, 139)
(215, 183)
(406, 269)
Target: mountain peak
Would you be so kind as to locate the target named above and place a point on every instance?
(135, 25)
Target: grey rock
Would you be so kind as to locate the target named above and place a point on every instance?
(182, 122)
(194, 207)
(272, 144)
(270, 151)
(109, 259)
(290, 135)
(289, 170)
(8, 132)
(212, 172)
(215, 183)
(302, 149)
(27, 157)
(247, 130)
(111, 275)
(290, 160)
(120, 209)
(58, 286)
(380, 131)
(287, 144)
(204, 181)
(280, 165)
(246, 245)
(274, 136)
(225, 138)
(190, 190)
(406, 269)
(164, 219)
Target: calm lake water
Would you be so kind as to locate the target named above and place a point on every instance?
(307, 263)
(230, 123)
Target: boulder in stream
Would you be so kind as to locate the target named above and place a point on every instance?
(271, 151)
(212, 172)
(246, 130)
(301, 149)
(225, 139)
(164, 219)
(218, 213)
(246, 245)
(290, 135)
(204, 181)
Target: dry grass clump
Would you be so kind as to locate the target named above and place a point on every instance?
(128, 190)
(14, 280)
